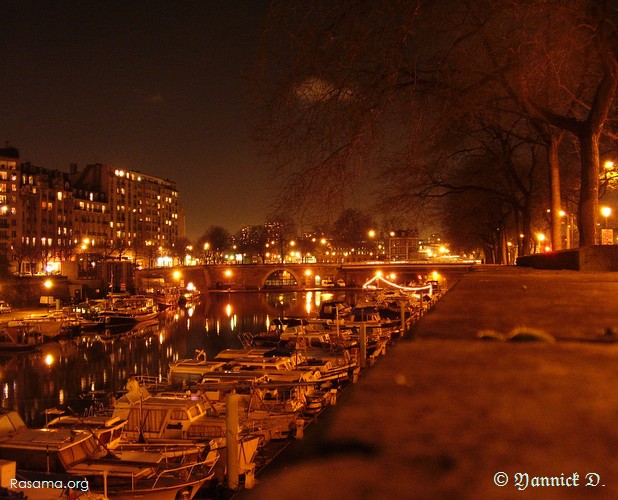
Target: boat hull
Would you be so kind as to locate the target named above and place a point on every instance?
(112, 320)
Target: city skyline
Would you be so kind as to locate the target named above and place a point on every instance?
(147, 86)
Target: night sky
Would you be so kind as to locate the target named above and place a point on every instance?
(159, 87)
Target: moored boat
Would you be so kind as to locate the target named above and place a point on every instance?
(18, 338)
(48, 328)
(106, 430)
(126, 310)
(60, 455)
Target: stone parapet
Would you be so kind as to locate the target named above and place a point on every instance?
(601, 258)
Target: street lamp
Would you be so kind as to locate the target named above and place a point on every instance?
(207, 252)
(48, 284)
(177, 276)
(606, 212)
(372, 235)
(541, 238)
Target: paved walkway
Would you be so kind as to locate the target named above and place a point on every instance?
(446, 415)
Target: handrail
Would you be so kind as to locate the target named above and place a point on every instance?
(188, 467)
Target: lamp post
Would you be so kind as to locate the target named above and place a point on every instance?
(607, 235)
(48, 284)
(207, 252)
(372, 235)
(606, 212)
(541, 238)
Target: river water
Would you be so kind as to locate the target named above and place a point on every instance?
(68, 372)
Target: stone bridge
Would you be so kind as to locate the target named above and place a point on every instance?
(292, 276)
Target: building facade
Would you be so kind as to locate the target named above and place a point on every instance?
(85, 216)
(9, 192)
(44, 219)
(403, 245)
(128, 211)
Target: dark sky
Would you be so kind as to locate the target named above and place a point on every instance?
(159, 87)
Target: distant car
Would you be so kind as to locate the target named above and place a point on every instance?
(4, 307)
(327, 283)
(340, 283)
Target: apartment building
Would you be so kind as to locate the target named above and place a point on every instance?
(44, 230)
(9, 188)
(125, 211)
(100, 212)
(403, 245)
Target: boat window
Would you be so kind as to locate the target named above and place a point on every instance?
(194, 411)
(154, 420)
(179, 415)
(77, 453)
(10, 422)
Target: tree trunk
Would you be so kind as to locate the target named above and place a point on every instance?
(526, 228)
(504, 244)
(554, 186)
(589, 191)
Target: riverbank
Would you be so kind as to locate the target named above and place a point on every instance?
(447, 415)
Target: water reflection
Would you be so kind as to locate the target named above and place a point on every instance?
(62, 371)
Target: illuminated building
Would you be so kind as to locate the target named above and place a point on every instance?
(102, 212)
(128, 209)
(9, 182)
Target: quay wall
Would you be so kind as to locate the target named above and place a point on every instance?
(23, 292)
(598, 258)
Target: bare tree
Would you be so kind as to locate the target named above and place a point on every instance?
(281, 229)
(562, 65)
(352, 228)
(369, 84)
(214, 242)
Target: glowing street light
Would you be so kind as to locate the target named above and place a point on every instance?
(541, 238)
(606, 212)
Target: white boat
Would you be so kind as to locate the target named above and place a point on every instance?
(66, 454)
(106, 430)
(127, 310)
(193, 370)
(311, 348)
(165, 418)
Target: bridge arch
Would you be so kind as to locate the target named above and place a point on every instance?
(281, 277)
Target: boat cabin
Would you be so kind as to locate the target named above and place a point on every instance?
(10, 423)
(192, 370)
(107, 430)
(48, 450)
(162, 416)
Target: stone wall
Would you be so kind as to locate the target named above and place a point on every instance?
(601, 258)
